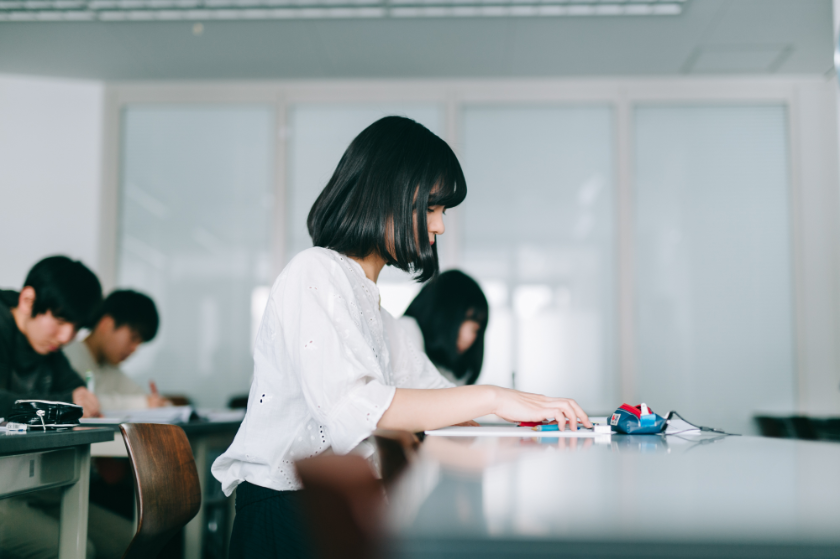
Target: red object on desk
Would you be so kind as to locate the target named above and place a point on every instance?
(535, 423)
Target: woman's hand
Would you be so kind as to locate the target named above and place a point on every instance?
(515, 406)
(422, 409)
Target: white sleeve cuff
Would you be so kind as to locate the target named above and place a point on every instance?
(355, 418)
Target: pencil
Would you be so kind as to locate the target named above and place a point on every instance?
(554, 427)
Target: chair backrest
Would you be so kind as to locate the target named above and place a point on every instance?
(344, 502)
(165, 482)
(396, 450)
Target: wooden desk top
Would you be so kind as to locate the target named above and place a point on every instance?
(36, 440)
(637, 496)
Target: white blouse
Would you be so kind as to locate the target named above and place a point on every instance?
(327, 361)
(410, 325)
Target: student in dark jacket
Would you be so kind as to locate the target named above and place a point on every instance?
(59, 296)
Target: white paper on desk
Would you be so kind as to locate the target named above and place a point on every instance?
(168, 414)
(100, 421)
(510, 431)
(677, 425)
(221, 415)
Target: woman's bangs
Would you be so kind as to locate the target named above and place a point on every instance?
(447, 192)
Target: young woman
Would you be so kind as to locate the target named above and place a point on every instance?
(448, 318)
(330, 366)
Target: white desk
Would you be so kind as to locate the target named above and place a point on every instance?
(634, 496)
(37, 461)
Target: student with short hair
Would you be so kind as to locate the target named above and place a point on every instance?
(58, 297)
(330, 366)
(448, 319)
(125, 320)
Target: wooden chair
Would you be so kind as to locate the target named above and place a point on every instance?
(397, 449)
(343, 503)
(165, 483)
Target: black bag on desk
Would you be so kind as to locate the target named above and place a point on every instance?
(45, 414)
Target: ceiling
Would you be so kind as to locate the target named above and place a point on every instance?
(709, 37)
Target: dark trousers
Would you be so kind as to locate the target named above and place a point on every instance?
(269, 524)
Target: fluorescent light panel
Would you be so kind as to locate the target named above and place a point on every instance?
(203, 10)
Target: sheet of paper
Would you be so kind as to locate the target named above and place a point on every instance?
(510, 431)
(100, 421)
(169, 414)
(221, 415)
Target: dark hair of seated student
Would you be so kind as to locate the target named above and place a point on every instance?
(440, 309)
(370, 201)
(66, 288)
(132, 309)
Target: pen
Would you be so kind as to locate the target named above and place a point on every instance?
(554, 427)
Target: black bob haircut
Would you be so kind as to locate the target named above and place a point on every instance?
(132, 309)
(373, 189)
(66, 288)
(439, 309)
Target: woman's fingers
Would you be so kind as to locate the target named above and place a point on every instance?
(570, 414)
(523, 406)
(581, 414)
(572, 411)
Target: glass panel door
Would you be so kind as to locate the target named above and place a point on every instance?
(538, 234)
(195, 208)
(714, 279)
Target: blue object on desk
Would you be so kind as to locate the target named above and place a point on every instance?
(637, 420)
(550, 427)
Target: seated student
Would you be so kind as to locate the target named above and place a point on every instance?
(58, 296)
(330, 365)
(125, 320)
(448, 318)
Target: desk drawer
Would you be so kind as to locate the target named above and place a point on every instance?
(31, 472)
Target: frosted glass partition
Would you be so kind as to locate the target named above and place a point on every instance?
(318, 135)
(195, 211)
(538, 227)
(713, 284)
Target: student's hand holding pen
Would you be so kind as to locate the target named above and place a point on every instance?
(154, 399)
(516, 406)
(88, 400)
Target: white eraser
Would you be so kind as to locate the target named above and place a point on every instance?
(16, 428)
(601, 428)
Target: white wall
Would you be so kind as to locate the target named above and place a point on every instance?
(50, 162)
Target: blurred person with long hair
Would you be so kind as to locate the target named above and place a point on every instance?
(448, 319)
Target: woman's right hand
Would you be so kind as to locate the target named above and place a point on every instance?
(516, 406)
